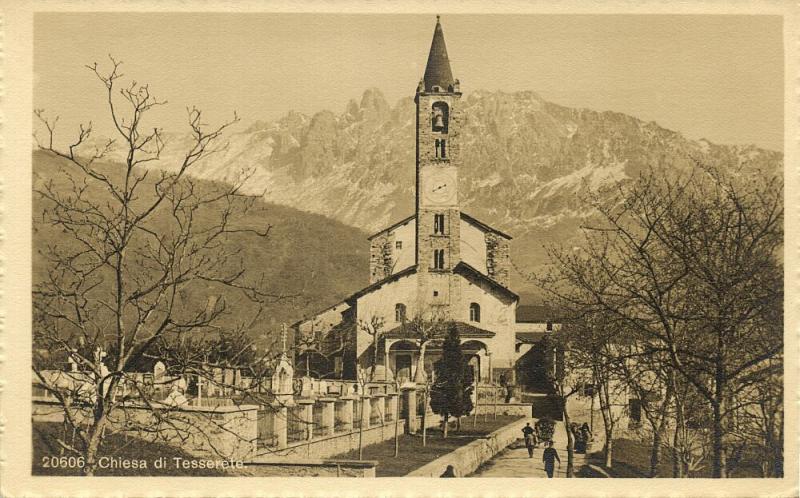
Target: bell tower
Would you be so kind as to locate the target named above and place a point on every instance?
(438, 152)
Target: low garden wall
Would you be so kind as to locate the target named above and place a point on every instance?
(220, 432)
(326, 446)
(519, 409)
(468, 458)
(309, 468)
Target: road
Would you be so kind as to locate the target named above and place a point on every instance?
(514, 461)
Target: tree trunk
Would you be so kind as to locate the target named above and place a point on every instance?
(608, 424)
(361, 427)
(425, 418)
(444, 430)
(419, 375)
(655, 452)
(94, 445)
(718, 469)
(570, 442)
(608, 451)
(677, 469)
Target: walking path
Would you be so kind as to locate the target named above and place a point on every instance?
(514, 461)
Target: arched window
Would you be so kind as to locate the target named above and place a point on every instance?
(474, 312)
(399, 312)
(438, 259)
(440, 114)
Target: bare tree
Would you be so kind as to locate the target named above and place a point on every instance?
(374, 328)
(691, 266)
(147, 263)
(424, 328)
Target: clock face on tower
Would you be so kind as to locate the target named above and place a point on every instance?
(439, 188)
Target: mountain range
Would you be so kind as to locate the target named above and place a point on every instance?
(524, 163)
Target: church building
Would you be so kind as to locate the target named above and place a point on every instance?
(438, 266)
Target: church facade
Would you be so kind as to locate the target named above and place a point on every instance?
(438, 266)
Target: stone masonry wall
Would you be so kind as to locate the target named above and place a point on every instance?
(498, 260)
(380, 257)
(223, 432)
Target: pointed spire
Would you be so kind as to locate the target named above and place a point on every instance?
(437, 72)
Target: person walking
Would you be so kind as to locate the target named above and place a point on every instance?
(549, 458)
(530, 440)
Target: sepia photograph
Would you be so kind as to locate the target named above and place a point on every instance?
(418, 244)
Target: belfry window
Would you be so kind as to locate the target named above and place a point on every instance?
(439, 117)
(438, 224)
(438, 259)
(474, 312)
(441, 148)
(399, 312)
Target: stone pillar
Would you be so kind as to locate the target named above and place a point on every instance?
(366, 402)
(386, 376)
(489, 360)
(347, 418)
(308, 417)
(380, 406)
(393, 406)
(329, 415)
(410, 400)
(279, 426)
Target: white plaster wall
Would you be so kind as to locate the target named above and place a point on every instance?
(473, 246)
(381, 302)
(406, 233)
(497, 315)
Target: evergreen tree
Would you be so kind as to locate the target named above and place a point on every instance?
(451, 394)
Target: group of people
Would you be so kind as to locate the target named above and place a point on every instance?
(549, 455)
(582, 435)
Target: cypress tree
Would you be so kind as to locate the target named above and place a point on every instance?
(451, 393)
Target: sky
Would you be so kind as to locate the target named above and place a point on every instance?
(714, 77)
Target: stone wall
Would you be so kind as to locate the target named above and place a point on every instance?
(309, 468)
(519, 409)
(327, 446)
(221, 432)
(468, 458)
(380, 257)
(498, 260)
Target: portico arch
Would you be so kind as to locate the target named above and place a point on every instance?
(476, 352)
(402, 359)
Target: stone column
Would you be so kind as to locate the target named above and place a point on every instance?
(394, 405)
(380, 405)
(410, 400)
(279, 426)
(347, 418)
(329, 415)
(489, 360)
(366, 402)
(386, 376)
(308, 417)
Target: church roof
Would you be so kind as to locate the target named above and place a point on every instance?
(437, 72)
(483, 226)
(465, 269)
(464, 216)
(394, 225)
(391, 278)
(465, 330)
(530, 337)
